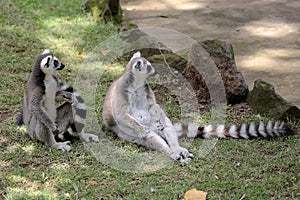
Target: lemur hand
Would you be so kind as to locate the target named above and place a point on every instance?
(55, 129)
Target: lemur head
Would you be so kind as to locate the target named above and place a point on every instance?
(49, 63)
(140, 66)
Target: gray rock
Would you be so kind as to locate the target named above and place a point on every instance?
(174, 61)
(263, 99)
(127, 25)
(203, 79)
(137, 40)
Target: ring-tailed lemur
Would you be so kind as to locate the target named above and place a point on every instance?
(41, 116)
(131, 111)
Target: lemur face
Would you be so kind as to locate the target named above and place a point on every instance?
(49, 64)
(141, 66)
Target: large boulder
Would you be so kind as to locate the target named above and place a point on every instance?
(173, 60)
(137, 40)
(222, 55)
(263, 99)
(210, 70)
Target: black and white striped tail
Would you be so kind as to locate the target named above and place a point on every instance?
(78, 109)
(79, 112)
(269, 129)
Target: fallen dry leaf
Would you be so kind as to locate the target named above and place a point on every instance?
(92, 182)
(194, 194)
(104, 52)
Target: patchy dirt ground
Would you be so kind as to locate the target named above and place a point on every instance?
(5, 114)
(265, 34)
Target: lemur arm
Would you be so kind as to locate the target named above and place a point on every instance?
(41, 114)
(131, 126)
(150, 96)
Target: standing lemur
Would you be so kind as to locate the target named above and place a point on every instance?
(43, 119)
(131, 111)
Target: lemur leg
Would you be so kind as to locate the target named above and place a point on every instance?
(170, 135)
(39, 131)
(152, 140)
(165, 141)
(162, 125)
(156, 142)
(88, 137)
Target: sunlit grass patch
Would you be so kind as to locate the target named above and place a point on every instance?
(75, 34)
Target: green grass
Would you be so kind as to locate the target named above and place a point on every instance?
(258, 169)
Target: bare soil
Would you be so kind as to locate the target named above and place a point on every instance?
(5, 114)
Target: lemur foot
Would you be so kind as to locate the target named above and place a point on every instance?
(87, 137)
(182, 155)
(64, 146)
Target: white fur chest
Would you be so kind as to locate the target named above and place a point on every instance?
(50, 93)
(142, 116)
(139, 108)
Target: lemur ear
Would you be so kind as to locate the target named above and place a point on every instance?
(136, 55)
(46, 51)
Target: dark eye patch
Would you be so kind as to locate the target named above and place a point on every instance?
(56, 63)
(47, 63)
(138, 65)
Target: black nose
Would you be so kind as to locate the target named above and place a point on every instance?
(61, 66)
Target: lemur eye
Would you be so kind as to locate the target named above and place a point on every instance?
(56, 63)
(47, 63)
(138, 65)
